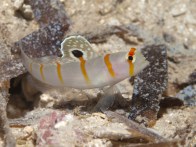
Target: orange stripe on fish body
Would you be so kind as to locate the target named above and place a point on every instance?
(58, 69)
(109, 65)
(131, 68)
(83, 69)
(130, 61)
(41, 72)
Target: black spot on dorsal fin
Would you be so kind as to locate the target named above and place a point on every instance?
(77, 53)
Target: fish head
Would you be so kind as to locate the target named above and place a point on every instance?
(139, 61)
(127, 64)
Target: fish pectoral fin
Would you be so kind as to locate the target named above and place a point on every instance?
(107, 99)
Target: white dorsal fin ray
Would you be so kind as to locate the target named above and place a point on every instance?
(77, 43)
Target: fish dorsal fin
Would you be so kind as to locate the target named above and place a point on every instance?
(74, 47)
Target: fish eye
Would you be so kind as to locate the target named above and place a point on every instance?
(130, 58)
(131, 55)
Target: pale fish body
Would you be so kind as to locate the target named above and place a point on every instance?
(96, 72)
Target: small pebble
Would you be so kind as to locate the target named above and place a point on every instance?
(188, 95)
(46, 98)
(24, 9)
(27, 12)
(18, 4)
(28, 129)
(178, 10)
(120, 111)
(113, 22)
